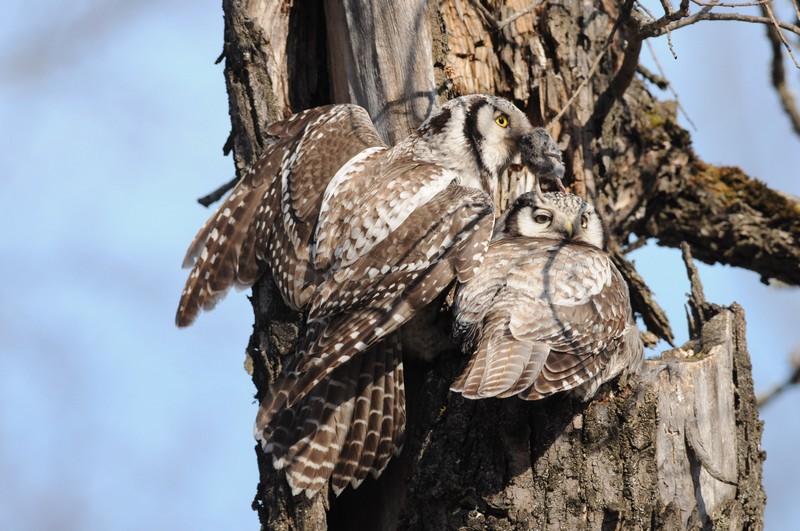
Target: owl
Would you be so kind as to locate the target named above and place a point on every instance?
(361, 237)
(548, 311)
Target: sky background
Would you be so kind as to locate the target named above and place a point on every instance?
(112, 120)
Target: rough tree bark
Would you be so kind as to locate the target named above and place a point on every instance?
(677, 448)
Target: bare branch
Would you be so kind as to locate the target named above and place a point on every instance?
(779, 74)
(673, 19)
(667, 9)
(634, 245)
(793, 379)
(730, 4)
(692, 19)
(701, 310)
(656, 27)
(216, 195)
(766, 9)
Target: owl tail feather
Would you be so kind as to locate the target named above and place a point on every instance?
(502, 365)
(347, 427)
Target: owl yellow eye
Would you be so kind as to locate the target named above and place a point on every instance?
(584, 221)
(501, 120)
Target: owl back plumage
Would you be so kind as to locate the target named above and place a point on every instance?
(544, 316)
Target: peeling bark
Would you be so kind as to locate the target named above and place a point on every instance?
(676, 449)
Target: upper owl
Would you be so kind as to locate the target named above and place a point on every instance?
(548, 311)
(285, 206)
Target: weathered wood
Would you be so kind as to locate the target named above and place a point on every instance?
(659, 454)
(380, 57)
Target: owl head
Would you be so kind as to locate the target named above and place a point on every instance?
(554, 216)
(479, 136)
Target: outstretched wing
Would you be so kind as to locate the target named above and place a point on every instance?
(368, 200)
(273, 208)
(442, 240)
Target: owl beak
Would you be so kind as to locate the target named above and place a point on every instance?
(568, 229)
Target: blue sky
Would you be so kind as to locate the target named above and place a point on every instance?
(112, 122)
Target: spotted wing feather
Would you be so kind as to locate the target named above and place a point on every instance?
(327, 146)
(285, 184)
(440, 241)
(358, 213)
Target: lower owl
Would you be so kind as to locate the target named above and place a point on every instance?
(548, 310)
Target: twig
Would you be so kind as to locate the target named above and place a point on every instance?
(765, 8)
(670, 16)
(671, 46)
(779, 74)
(668, 10)
(693, 19)
(677, 19)
(794, 379)
(638, 244)
(217, 194)
(495, 24)
(669, 86)
(701, 310)
(732, 4)
(485, 14)
(515, 16)
(655, 79)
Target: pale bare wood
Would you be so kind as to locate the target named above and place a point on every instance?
(380, 57)
(696, 422)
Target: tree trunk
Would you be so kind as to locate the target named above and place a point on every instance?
(676, 448)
